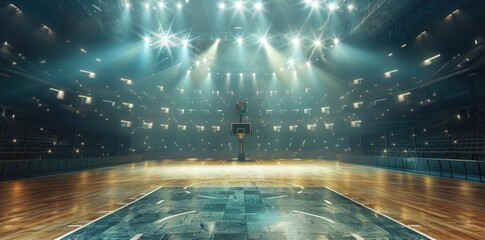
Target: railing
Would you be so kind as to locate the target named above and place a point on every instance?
(15, 169)
(410, 153)
(452, 168)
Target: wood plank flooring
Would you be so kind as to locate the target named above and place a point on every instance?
(48, 207)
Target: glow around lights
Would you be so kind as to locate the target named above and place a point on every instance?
(315, 4)
(146, 39)
(165, 40)
(258, 6)
(222, 5)
(350, 7)
(239, 5)
(180, 5)
(336, 40)
(317, 43)
(332, 7)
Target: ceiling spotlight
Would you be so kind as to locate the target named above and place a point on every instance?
(161, 5)
(291, 62)
(147, 5)
(263, 40)
(180, 5)
(222, 5)
(239, 40)
(332, 7)
(350, 7)
(127, 5)
(146, 39)
(258, 6)
(165, 40)
(185, 42)
(295, 41)
(315, 4)
(239, 5)
(336, 40)
(218, 39)
(317, 43)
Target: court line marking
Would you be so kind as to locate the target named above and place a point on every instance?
(176, 215)
(204, 196)
(357, 236)
(97, 219)
(282, 196)
(137, 236)
(200, 183)
(384, 215)
(328, 202)
(313, 215)
(161, 201)
(74, 226)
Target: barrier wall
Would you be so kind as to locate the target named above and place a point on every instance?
(250, 154)
(451, 168)
(15, 169)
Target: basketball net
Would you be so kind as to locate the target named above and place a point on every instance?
(241, 136)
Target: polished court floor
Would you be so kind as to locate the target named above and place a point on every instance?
(278, 199)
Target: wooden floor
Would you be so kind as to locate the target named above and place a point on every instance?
(48, 207)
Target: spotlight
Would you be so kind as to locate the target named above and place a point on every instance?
(350, 7)
(165, 40)
(258, 6)
(239, 5)
(291, 62)
(222, 5)
(218, 39)
(263, 40)
(147, 5)
(239, 40)
(332, 7)
(317, 43)
(295, 41)
(127, 5)
(228, 74)
(336, 40)
(254, 74)
(315, 4)
(180, 5)
(185, 42)
(308, 63)
(146, 39)
(161, 5)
